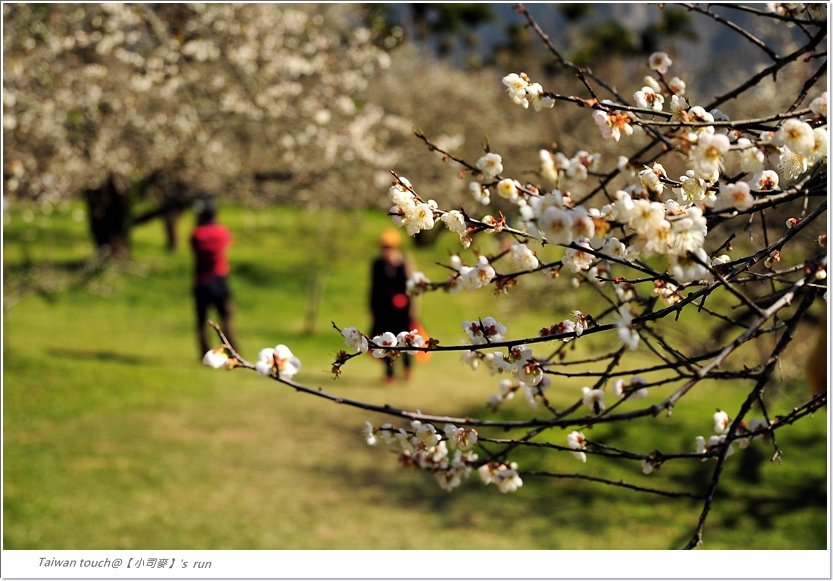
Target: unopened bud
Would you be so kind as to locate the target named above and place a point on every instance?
(791, 223)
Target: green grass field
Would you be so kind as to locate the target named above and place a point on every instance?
(115, 437)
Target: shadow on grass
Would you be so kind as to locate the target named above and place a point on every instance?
(95, 355)
(749, 497)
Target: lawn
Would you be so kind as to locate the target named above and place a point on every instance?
(115, 437)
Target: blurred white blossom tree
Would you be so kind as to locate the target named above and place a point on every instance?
(124, 101)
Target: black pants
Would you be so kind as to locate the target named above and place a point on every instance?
(214, 293)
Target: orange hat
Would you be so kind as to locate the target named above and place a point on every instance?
(390, 238)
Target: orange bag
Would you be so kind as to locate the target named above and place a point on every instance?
(421, 356)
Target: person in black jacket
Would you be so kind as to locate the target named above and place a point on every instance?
(390, 305)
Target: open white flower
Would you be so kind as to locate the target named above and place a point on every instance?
(557, 225)
(490, 165)
(737, 196)
(721, 422)
(516, 86)
(278, 361)
(767, 180)
(216, 358)
(593, 399)
(486, 330)
(707, 156)
(521, 257)
(624, 328)
(410, 339)
(508, 189)
(613, 125)
(353, 338)
(462, 439)
(797, 135)
(648, 98)
(819, 105)
(576, 441)
(369, 433)
(659, 62)
(383, 342)
(507, 478)
(577, 259)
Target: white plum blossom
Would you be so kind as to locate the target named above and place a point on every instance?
(523, 92)
(721, 422)
(651, 83)
(750, 158)
(462, 439)
(490, 165)
(697, 114)
(797, 135)
(216, 358)
(521, 257)
(383, 343)
(507, 478)
(353, 338)
(456, 222)
(737, 196)
(624, 328)
(702, 445)
(819, 105)
(410, 339)
(485, 330)
(583, 224)
(278, 360)
(479, 193)
(557, 225)
(369, 432)
(632, 389)
(576, 441)
(650, 179)
(819, 150)
(677, 86)
(535, 96)
(576, 259)
(508, 189)
(679, 108)
(659, 62)
(707, 156)
(477, 276)
(767, 180)
(527, 368)
(613, 125)
(684, 268)
(549, 171)
(422, 218)
(516, 87)
(649, 98)
(594, 399)
(426, 434)
(791, 164)
(417, 283)
(688, 233)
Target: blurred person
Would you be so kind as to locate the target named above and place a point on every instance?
(390, 305)
(209, 242)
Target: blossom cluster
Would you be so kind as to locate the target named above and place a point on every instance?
(424, 447)
(384, 345)
(722, 423)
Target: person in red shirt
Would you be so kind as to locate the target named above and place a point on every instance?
(209, 242)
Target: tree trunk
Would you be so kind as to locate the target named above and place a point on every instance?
(108, 210)
(171, 233)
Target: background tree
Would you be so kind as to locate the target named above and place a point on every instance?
(124, 103)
